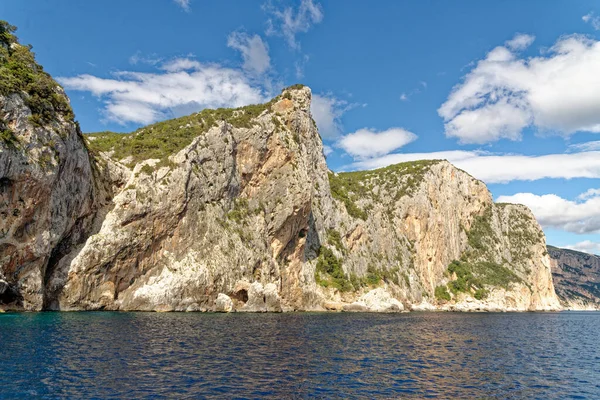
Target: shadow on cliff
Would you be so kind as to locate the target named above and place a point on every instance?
(56, 271)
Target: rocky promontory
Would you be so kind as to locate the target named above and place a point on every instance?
(576, 278)
(236, 210)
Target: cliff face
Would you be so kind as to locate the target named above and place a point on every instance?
(576, 278)
(434, 235)
(236, 210)
(46, 182)
(233, 207)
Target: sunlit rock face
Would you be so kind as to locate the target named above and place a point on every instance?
(235, 210)
(235, 205)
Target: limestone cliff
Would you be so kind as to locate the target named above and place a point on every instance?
(46, 182)
(236, 210)
(432, 234)
(577, 278)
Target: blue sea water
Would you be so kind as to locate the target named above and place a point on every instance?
(306, 355)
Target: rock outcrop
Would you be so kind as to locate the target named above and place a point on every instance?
(46, 178)
(431, 233)
(576, 278)
(235, 210)
(223, 303)
(376, 300)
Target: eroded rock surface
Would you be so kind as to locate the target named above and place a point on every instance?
(236, 210)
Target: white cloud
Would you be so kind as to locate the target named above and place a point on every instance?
(299, 66)
(327, 150)
(138, 58)
(592, 19)
(589, 194)
(366, 143)
(558, 92)
(585, 146)
(183, 86)
(288, 22)
(404, 97)
(181, 64)
(586, 246)
(185, 4)
(502, 168)
(254, 51)
(520, 41)
(499, 120)
(326, 111)
(553, 211)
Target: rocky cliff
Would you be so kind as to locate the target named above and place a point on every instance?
(46, 178)
(235, 209)
(576, 278)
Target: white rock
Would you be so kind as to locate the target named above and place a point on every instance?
(271, 296)
(355, 307)
(379, 300)
(223, 303)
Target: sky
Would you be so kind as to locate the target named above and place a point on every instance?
(508, 91)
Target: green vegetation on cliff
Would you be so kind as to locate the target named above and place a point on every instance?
(521, 235)
(481, 235)
(329, 272)
(163, 139)
(478, 267)
(398, 180)
(441, 293)
(8, 137)
(20, 73)
(341, 189)
(473, 277)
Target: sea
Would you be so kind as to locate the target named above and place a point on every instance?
(122, 355)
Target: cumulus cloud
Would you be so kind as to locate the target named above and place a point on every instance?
(499, 120)
(288, 22)
(179, 87)
(592, 19)
(185, 4)
(327, 111)
(254, 51)
(552, 211)
(502, 168)
(586, 246)
(366, 143)
(557, 92)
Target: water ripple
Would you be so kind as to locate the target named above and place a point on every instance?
(416, 355)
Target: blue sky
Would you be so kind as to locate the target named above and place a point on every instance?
(509, 91)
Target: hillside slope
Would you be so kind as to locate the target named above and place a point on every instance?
(235, 209)
(576, 278)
